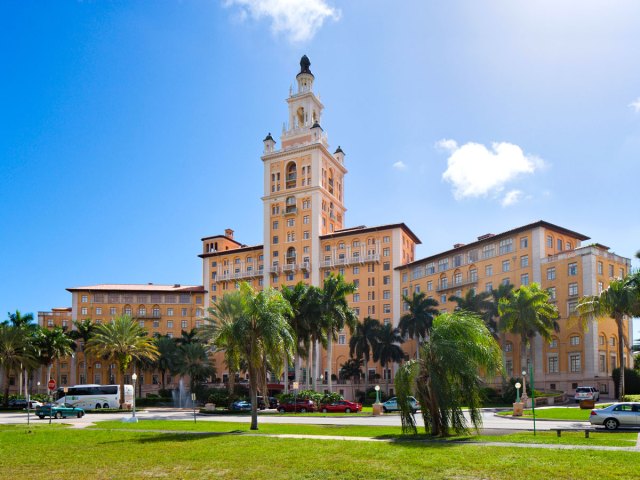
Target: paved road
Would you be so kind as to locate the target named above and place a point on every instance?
(490, 420)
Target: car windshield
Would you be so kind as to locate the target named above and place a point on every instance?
(583, 390)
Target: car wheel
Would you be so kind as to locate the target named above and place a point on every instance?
(281, 410)
(41, 417)
(324, 410)
(384, 409)
(303, 410)
(611, 423)
(105, 405)
(98, 406)
(58, 415)
(413, 410)
(347, 410)
(79, 414)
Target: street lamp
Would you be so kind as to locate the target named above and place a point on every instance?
(518, 385)
(377, 389)
(525, 397)
(134, 377)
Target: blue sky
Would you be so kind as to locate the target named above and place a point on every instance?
(131, 129)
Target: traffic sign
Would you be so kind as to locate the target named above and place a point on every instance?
(295, 385)
(52, 384)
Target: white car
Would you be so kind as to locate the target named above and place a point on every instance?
(587, 393)
(391, 405)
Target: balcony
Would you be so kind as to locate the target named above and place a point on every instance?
(341, 261)
(289, 268)
(273, 269)
(305, 266)
(224, 277)
(456, 285)
(326, 264)
(372, 257)
(290, 210)
(148, 316)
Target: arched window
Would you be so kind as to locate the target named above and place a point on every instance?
(142, 311)
(292, 175)
(291, 255)
(330, 181)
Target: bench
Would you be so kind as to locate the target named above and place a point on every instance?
(560, 430)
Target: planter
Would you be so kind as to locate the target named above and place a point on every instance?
(209, 407)
(518, 408)
(587, 404)
(377, 409)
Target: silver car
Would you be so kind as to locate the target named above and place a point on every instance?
(617, 415)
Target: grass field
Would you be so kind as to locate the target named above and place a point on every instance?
(42, 452)
(558, 413)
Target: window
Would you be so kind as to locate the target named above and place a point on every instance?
(275, 239)
(574, 340)
(473, 275)
(573, 269)
(551, 273)
(573, 289)
(98, 311)
(553, 343)
(305, 219)
(170, 312)
(356, 297)
(183, 324)
(386, 280)
(385, 252)
(386, 294)
(457, 278)
(85, 298)
(602, 340)
(506, 246)
(291, 222)
(444, 282)
(571, 307)
(112, 311)
(156, 323)
(386, 308)
(567, 246)
(524, 279)
(611, 271)
(386, 266)
(443, 298)
(552, 293)
(443, 264)
(612, 341)
(488, 270)
(505, 265)
(524, 261)
(169, 323)
(574, 362)
(429, 286)
(489, 287)
(342, 339)
(552, 364)
(275, 225)
(508, 347)
(356, 270)
(457, 260)
(613, 362)
(524, 242)
(603, 363)
(488, 251)
(559, 243)
(549, 241)
(386, 239)
(508, 365)
(184, 312)
(600, 268)
(430, 268)
(600, 287)
(84, 310)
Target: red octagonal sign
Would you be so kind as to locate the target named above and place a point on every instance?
(52, 384)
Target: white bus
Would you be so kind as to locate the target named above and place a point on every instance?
(95, 396)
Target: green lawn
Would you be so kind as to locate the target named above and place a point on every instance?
(556, 413)
(42, 452)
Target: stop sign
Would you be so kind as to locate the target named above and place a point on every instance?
(52, 384)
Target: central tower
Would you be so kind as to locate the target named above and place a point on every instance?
(303, 189)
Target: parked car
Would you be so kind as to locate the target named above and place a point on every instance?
(273, 402)
(241, 406)
(617, 415)
(343, 406)
(58, 410)
(300, 405)
(18, 403)
(391, 405)
(587, 393)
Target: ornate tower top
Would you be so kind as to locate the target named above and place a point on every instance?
(305, 63)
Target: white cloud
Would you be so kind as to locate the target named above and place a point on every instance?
(477, 171)
(400, 165)
(299, 20)
(512, 197)
(635, 105)
(446, 145)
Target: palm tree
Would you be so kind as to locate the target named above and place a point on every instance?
(83, 331)
(187, 337)
(504, 290)
(14, 354)
(122, 342)
(447, 377)
(193, 359)
(388, 350)
(352, 369)
(260, 334)
(479, 303)
(24, 323)
(417, 322)
(364, 342)
(528, 312)
(620, 299)
(336, 313)
(311, 308)
(53, 344)
(165, 362)
(300, 324)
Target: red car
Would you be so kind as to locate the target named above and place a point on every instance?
(300, 405)
(341, 406)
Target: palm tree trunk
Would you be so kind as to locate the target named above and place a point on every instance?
(418, 347)
(620, 325)
(330, 363)
(5, 400)
(122, 386)
(232, 381)
(86, 363)
(253, 392)
(286, 375)
(366, 377)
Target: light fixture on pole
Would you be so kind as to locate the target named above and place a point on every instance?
(525, 397)
(518, 385)
(134, 377)
(377, 389)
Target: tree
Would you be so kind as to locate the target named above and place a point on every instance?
(618, 300)
(52, 345)
(447, 378)
(165, 362)
(479, 303)
(260, 334)
(364, 342)
(417, 322)
(122, 342)
(24, 323)
(14, 354)
(300, 324)
(504, 290)
(83, 331)
(352, 369)
(193, 359)
(528, 312)
(187, 337)
(387, 350)
(335, 313)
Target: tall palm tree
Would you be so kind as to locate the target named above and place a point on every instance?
(23, 322)
(618, 300)
(447, 377)
(14, 354)
(364, 342)
(260, 334)
(122, 342)
(312, 312)
(528, 312)
(352, 369)
(417, 322)
(336, 313)
(53, 344)
(388, 349)
(479, 303)
(193, 359)
(166, 359)
(82, 332)
(300, 324)
(187, 337)
(504, 290)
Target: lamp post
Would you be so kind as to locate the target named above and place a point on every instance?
(518, 385)
(134, 377)
(377, 389)
(193, 401)
(525, 397)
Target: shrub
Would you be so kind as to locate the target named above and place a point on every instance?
(218, 396)
(631, 381)
(509, 390)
